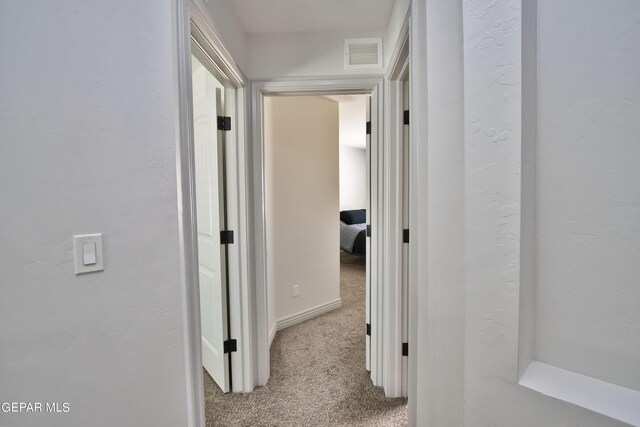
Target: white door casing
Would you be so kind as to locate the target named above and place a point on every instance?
(359, 85)
(394, 288)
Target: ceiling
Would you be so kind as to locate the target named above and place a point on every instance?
(286, 16)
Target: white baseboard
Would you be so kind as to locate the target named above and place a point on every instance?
(299, 317)
(272, 333)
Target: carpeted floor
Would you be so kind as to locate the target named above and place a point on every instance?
(318, 375)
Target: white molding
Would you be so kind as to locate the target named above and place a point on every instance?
(418, 208)
(398, 61)
(392, 380)
(308, 314)
(300, 86)
(218, 52)
(186, 213)
(302, 316)
(614, 401)
(392, 190)
(272, 334)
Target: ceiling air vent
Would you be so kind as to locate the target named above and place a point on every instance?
(363, 53)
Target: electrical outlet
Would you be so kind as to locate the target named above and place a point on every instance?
(296, 290)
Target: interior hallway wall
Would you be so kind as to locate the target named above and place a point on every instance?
(551, 207)
(353, 150)
(302, 202)
(353, 178)
(88, 144)
(588, 179)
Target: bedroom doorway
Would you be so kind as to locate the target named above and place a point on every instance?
(384, 218)
(318, 233)
(275, 317)
(355, 204)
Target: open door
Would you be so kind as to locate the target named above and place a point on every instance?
(208, 102)
(368, 241)
(405, 238)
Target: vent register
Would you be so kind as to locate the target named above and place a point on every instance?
(363, 53)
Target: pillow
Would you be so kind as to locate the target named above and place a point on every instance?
(357, 216)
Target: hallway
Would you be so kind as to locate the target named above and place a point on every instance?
(318, 374)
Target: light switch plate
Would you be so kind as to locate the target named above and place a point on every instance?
(87, 253)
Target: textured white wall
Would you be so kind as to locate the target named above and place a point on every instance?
(498, 219)
(88, 143)
(302, 201)
(588, 201)
(353, 178)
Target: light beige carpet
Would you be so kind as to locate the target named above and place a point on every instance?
(318, 375)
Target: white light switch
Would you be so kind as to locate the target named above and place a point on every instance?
(87, 250)
(89, 253)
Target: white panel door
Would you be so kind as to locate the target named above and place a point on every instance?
(405, 226)
(209, 168)
(368, 241)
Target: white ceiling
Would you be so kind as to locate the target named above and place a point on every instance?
(285, 16)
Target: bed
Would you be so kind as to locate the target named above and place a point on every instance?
(353, 231)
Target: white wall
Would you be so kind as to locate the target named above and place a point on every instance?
(353, 154)
(353, 119)
(302, 201)
(306, 54)
(588, 198)
(586, 85)
(478, 198)
(437, 233)
(88, 143)
(353, 178)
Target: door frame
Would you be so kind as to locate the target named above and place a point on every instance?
(312, 86)
(395, 381)
(191, 24)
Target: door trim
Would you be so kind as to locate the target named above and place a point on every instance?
(304, 86)
(189, 21)
(187, 219)
(393, 382)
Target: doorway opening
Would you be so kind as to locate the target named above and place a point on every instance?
(319, 295)
(263, 95)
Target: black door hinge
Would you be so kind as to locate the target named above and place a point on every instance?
(224, 123)
(368, 128)
(368, 230)
(405, 235)
(406, 117)
(405, 348)
(230, 346)
(369, 329)
(226, 237)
